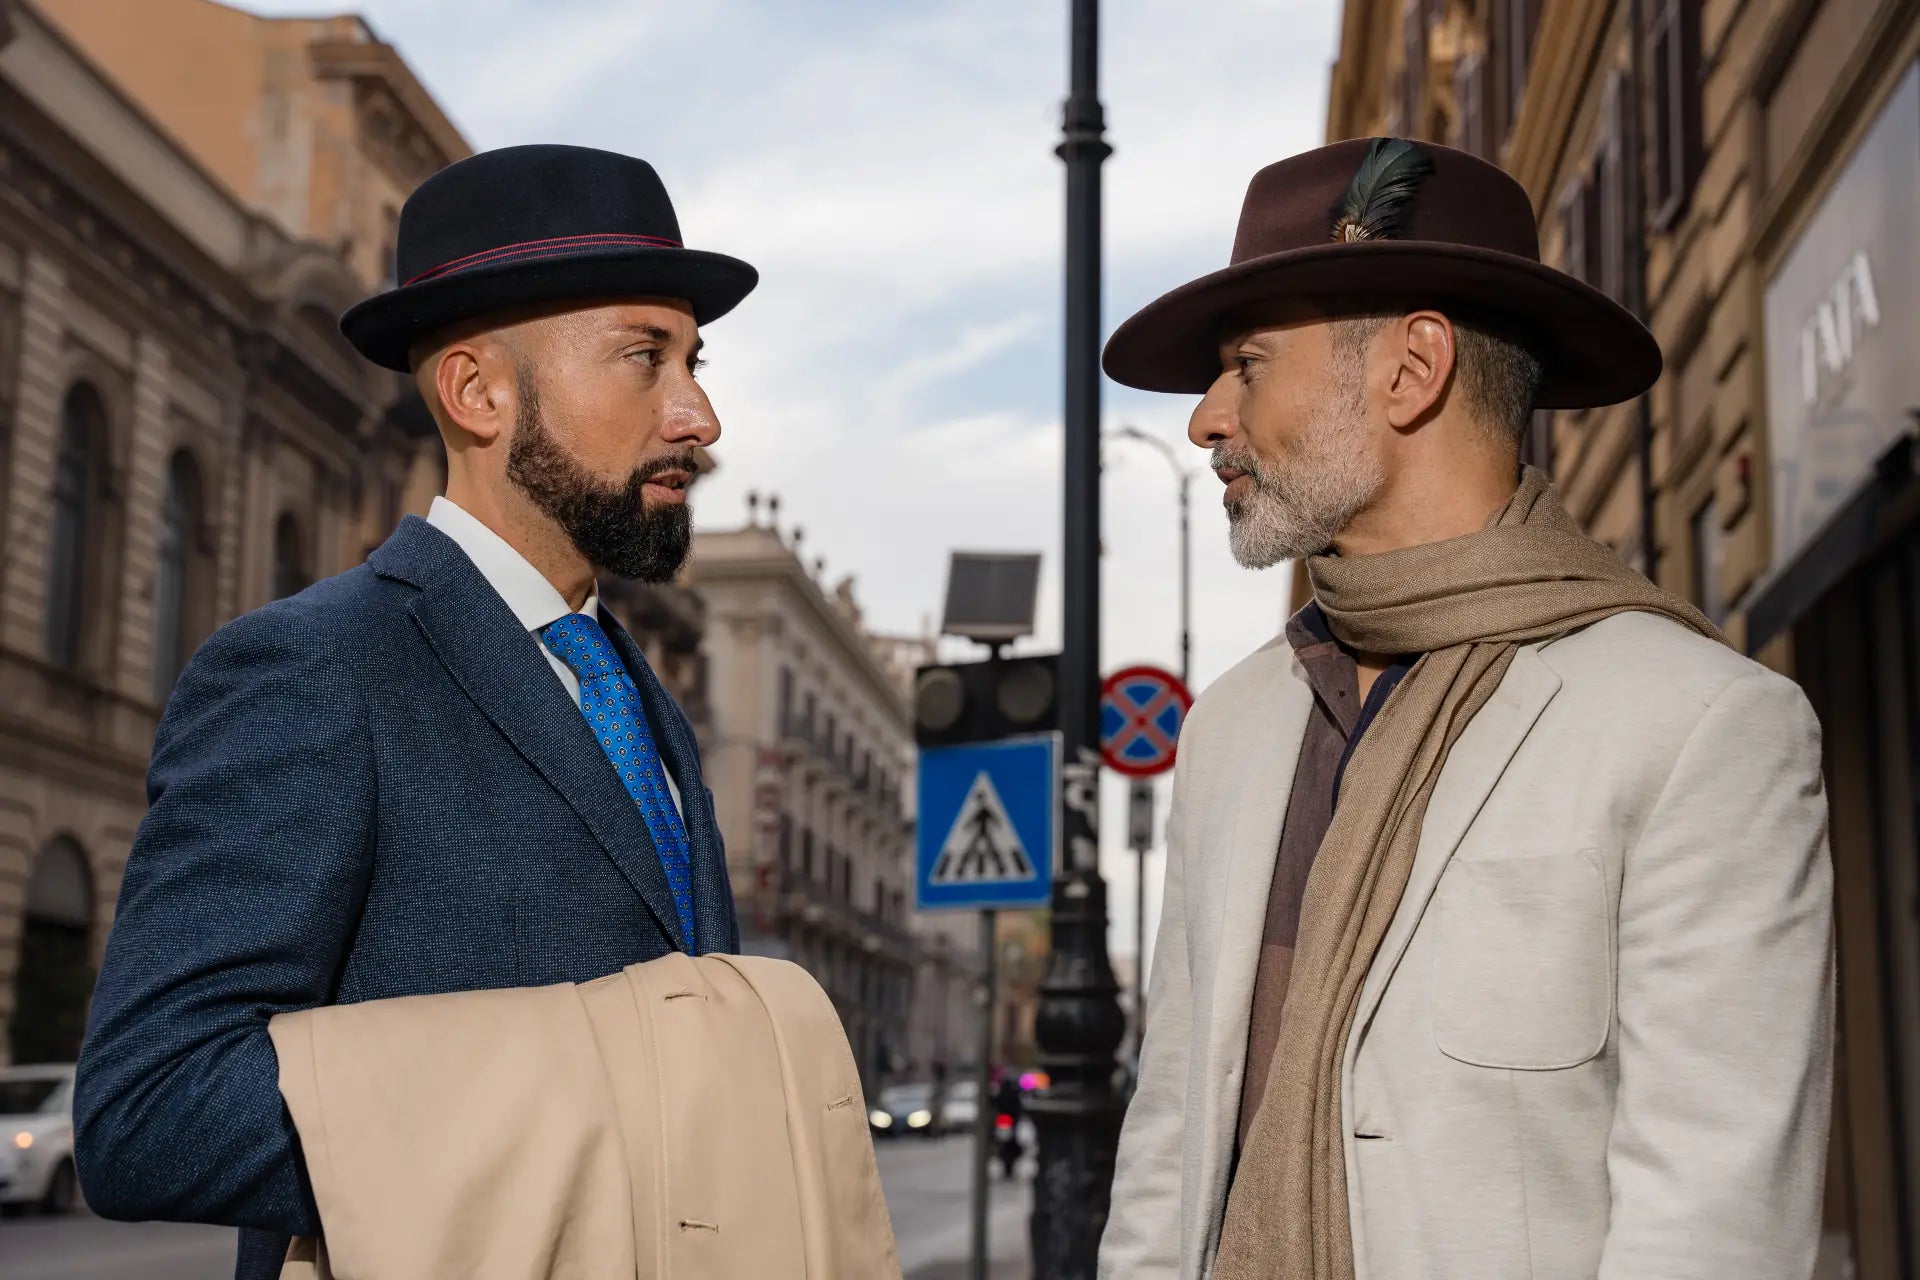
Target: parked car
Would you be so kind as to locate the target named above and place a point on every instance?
(902, 1109)
(960, 1109)
(36, 1139)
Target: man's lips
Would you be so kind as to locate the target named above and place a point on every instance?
(668, 486)
(1237, 482)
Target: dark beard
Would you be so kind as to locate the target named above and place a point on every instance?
(611, 526)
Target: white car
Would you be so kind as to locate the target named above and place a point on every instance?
(960, 1110)
(36, 1138)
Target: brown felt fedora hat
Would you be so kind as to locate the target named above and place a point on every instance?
(1388, 217)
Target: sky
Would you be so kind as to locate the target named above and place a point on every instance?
(889, 168)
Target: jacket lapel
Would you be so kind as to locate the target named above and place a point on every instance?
(500, 667)
(712, 890)
(1474, 765)
(1270, 724)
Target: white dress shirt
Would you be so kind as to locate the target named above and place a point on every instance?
(526, 591)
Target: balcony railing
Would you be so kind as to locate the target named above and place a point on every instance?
(810, 900)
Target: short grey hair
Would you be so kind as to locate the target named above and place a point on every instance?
(1499, 375)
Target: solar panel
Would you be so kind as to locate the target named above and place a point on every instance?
(991, 596)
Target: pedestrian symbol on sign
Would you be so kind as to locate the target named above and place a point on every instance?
(982, 846)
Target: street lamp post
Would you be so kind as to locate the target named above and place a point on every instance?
(1078, 1024)
(1183, 477)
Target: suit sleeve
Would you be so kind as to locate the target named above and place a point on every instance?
(242, 891)
(1717, 1153)
(1142, 1238)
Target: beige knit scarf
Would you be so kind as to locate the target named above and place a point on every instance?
(1467, 604)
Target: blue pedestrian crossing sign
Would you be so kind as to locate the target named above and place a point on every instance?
(988, 830)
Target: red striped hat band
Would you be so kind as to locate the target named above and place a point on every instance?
(555, 247)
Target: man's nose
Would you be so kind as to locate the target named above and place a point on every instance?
(1213, 421)
(690, 420)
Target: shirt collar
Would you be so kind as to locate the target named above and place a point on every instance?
(526, 591)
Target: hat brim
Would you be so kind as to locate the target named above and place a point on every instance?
(386, 327)
(1591, 349)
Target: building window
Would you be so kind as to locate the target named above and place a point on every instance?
(77, 481)
(1536, 446)
(175, 588)
(807, 721)
(1510, 37)
(1470, 120)
(55, 976)
(786, 701)
(1609, 265)
(806, 853)
(1580, 254)
(786, 846)
(290, 572)
(1678, 151)
(1413, 80)
(1709, 553)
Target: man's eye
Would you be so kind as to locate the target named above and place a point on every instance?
(696, 363)
(649, 356)
(1244, 364)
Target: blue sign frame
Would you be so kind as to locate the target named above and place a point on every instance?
(1024, 778)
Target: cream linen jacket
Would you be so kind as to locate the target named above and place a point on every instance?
(1597, 1039)
(692, 1119)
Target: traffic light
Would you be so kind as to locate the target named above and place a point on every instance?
(983, 701)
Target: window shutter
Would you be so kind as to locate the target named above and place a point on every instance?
(1522, 18)
(1678, 148)
(1610, 261)
(1470, 115)
(1413, 83)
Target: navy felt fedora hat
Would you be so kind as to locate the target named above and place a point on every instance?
(1373, 217)
(525, 226)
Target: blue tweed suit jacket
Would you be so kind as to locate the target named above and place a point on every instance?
(375, 788)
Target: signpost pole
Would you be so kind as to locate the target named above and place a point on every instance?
(983, 1120)
(1140, 834)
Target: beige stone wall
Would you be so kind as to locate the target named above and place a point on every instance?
(166, 342)
(327, 147)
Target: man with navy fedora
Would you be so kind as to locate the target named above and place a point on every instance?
(449, 768)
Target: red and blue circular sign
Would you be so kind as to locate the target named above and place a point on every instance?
(1141, 710)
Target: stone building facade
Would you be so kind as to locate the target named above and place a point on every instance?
(1745, 175)
(183, 436)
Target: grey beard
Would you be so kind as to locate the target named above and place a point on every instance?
(1298, 510)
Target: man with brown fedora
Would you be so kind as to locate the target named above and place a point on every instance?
(447, 769)
(1496, 939)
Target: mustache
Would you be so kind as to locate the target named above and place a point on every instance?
(1226, 456)
(647, 471)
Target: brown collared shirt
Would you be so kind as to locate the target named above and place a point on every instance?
(1334, 728)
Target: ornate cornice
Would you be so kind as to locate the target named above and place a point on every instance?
(52, 201)
(412, 136)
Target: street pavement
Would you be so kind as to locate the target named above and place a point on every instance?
(926, 1181)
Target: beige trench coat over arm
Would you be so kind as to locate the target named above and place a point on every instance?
(684, 1118)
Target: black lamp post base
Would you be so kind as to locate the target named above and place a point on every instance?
(1077, 1118)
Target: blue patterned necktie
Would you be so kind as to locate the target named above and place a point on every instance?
(611, 703)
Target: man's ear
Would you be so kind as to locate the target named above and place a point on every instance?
(1421, 345)
(475, 385)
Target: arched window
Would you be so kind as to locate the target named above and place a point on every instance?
(290, 572)
(175, 588)
(55, 977)
(76, 490)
